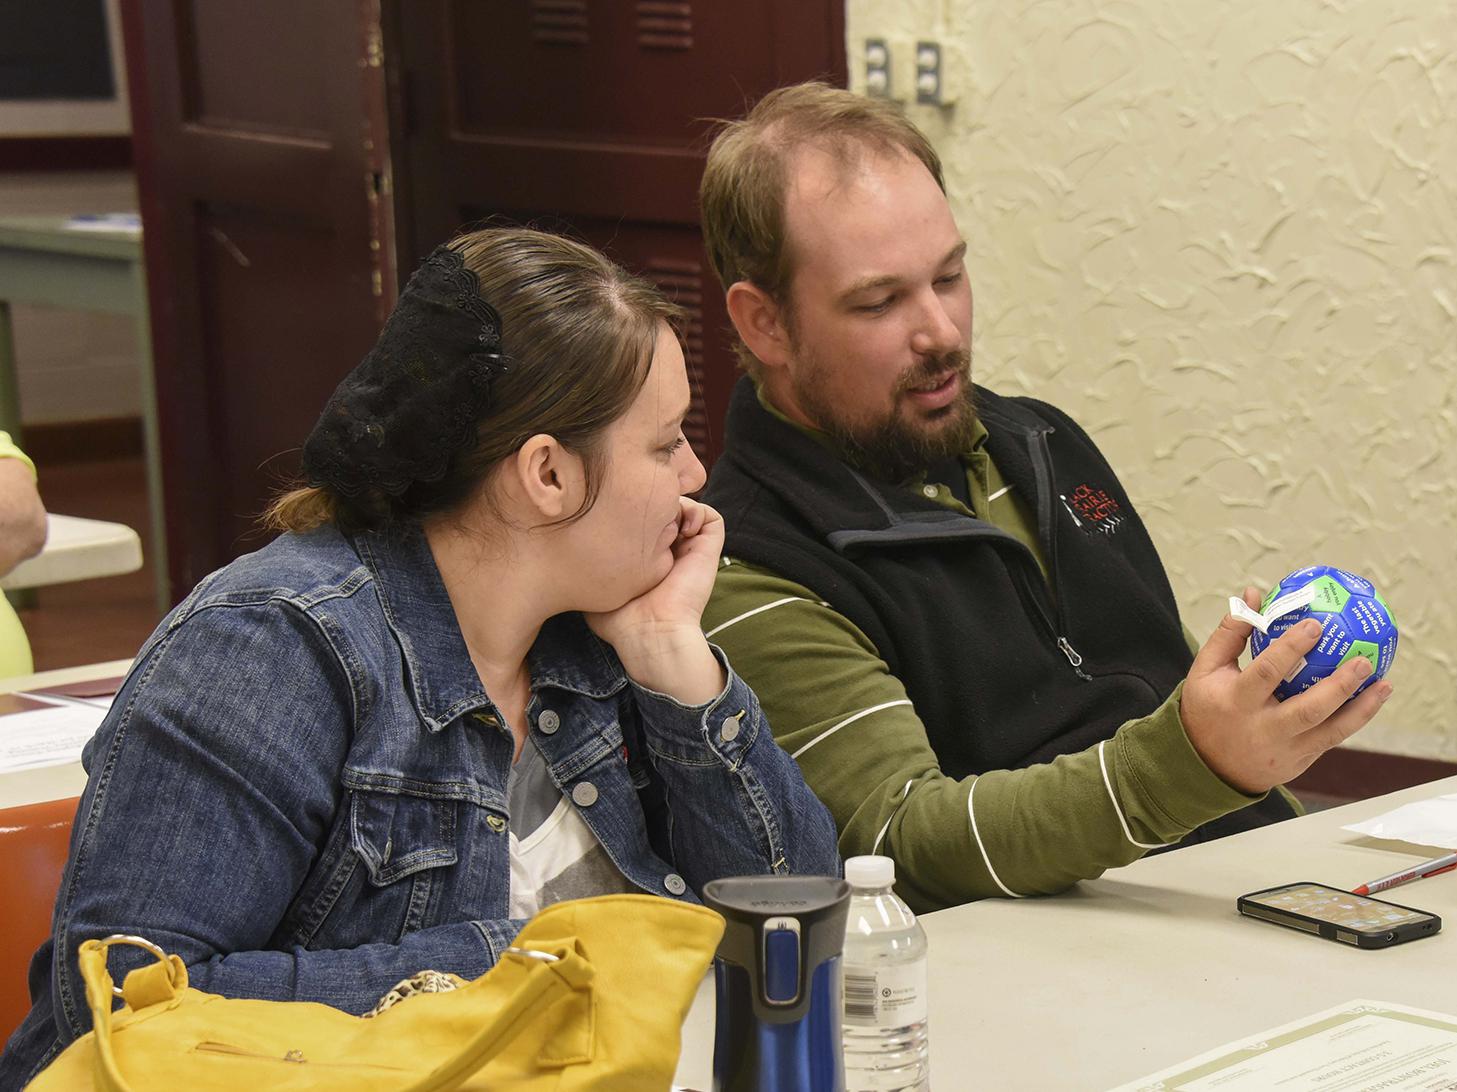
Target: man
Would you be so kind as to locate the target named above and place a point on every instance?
(944, 598)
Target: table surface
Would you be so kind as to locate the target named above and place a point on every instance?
(1151, 965)
(52, 233)
(1121, 976)
(51, 782)
(78, 549)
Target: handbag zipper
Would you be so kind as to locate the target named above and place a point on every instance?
(292, 1057)
(295, 1057)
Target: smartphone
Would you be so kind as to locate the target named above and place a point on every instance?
(1339, 915)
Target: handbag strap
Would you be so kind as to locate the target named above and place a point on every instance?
(552, 970)
(100, 991)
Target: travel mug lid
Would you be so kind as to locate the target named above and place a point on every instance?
(779, 929)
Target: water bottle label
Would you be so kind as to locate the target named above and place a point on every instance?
(886, 997)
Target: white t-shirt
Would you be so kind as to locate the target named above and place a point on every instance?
(554, 854)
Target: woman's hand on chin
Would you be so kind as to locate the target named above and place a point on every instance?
(658, 635)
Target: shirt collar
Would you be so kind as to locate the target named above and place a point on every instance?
(445, 684)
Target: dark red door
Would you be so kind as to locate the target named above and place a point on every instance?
(592, 115)
(271, 176)
(260, 149)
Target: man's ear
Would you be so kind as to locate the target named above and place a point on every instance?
(547, 478)
(760, 323)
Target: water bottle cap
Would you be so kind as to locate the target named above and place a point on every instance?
(870, 871)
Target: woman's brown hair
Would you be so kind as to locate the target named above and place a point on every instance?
(578, 333)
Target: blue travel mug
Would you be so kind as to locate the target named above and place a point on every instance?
(777, 983)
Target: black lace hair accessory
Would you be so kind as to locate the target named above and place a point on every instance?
(413, 403)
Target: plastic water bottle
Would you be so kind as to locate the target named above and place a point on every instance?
(887, 1048)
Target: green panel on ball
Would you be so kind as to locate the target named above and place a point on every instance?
(1368, 649)
(1386, 607)
(1330, 594)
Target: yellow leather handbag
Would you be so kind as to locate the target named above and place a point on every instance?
(592, 994)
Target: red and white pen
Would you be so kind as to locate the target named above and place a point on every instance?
(1415, 872)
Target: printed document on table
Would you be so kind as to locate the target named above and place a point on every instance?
(1361, 1046)
(47, 737)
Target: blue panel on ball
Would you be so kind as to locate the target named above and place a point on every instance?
(1362, 623)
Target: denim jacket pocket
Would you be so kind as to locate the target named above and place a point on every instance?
(382, 873)
(396, 835)
(391, 873)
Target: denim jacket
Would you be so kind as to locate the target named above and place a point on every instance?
(301, 787)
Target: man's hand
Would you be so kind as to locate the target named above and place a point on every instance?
(1247, 736)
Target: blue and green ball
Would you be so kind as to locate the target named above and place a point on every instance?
(1354, 620)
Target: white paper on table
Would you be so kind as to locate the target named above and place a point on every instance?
(47, 737)
(1361, 1046)
(1425, 823)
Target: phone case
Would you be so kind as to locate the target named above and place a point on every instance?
(1428, 925)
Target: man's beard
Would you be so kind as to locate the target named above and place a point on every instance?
(902, 443)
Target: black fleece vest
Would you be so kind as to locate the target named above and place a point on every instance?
(1002, 674)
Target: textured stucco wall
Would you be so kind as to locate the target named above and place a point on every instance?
(1223, 236)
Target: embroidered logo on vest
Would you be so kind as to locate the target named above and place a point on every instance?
(1093, 510)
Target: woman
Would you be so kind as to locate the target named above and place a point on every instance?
(468, 682)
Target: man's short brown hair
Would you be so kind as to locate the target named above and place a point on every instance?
(741, 198)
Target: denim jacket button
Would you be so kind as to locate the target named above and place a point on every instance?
(730, 730)
(496, 823)
(548, 722)
(674, 883)
(584, 794)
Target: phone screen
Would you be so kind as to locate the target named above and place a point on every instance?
(1354, 912)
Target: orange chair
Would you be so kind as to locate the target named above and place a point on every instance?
(33, 844)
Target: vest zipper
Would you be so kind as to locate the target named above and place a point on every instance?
(1074, 657)
(1041, 457)
(1032, 594)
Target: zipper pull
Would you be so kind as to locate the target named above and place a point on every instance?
(1074, 657)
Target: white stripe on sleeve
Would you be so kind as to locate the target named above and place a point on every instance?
(971, 811)
(757, 610)
(851, 719)
(1118, 811)
(905, 795)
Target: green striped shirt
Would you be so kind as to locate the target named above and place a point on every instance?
(835, 706)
